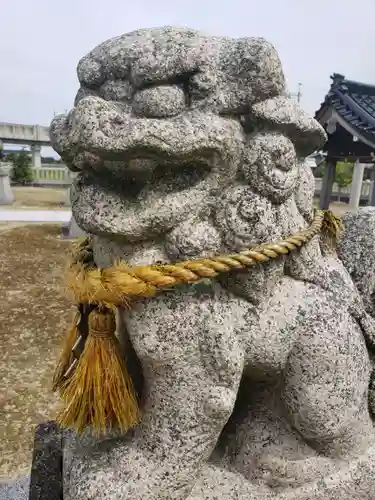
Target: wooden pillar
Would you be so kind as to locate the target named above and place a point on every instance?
(327, 184)
(371, 200)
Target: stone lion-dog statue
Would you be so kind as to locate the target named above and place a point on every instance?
(254, 385)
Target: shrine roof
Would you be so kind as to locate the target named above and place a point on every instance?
(354, 102)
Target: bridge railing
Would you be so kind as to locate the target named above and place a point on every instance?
(344, 192)
(52, 175)
(24, 134)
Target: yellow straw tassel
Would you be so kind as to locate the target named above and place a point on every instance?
(332, 228)
(66, 356)
(100, 392)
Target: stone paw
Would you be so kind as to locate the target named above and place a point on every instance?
(282, 473)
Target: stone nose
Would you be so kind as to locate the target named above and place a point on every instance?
(102, 128)
(285, 163)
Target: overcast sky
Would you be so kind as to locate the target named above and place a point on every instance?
(41, 42)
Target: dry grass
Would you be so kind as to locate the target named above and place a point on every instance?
(33, 315)
(40, 197)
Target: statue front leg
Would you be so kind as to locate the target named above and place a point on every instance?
(184, 416)
(192, 367)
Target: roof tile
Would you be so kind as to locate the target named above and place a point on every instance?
(354, 101)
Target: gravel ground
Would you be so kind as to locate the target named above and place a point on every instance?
(15, 490)
(52, 197)
(33, 316)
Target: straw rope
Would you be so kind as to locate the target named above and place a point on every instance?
(119, 284)
(91, 374)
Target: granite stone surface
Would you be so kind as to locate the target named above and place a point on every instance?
(356, 250)
(256, 385)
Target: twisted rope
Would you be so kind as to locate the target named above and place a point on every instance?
(91, 359)
(119, 284)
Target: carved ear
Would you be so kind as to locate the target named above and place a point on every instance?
(285, 115)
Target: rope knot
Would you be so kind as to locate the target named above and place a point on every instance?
(98, 390)
(102, 324)
(332, 228)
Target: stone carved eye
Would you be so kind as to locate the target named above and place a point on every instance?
(251, 125)
(249, 210)
(163, 101)
(116, 90)
(202, 84)
(82, 93)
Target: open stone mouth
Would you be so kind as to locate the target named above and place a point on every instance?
(140, 178)
(138, 200)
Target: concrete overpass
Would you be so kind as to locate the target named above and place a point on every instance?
(34, 136)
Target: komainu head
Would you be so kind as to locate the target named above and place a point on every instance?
(167, 119)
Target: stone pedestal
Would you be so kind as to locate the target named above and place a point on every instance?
(71, 230)
(46, 470)
(6, 193)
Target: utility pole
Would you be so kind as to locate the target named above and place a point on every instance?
(299, 93)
